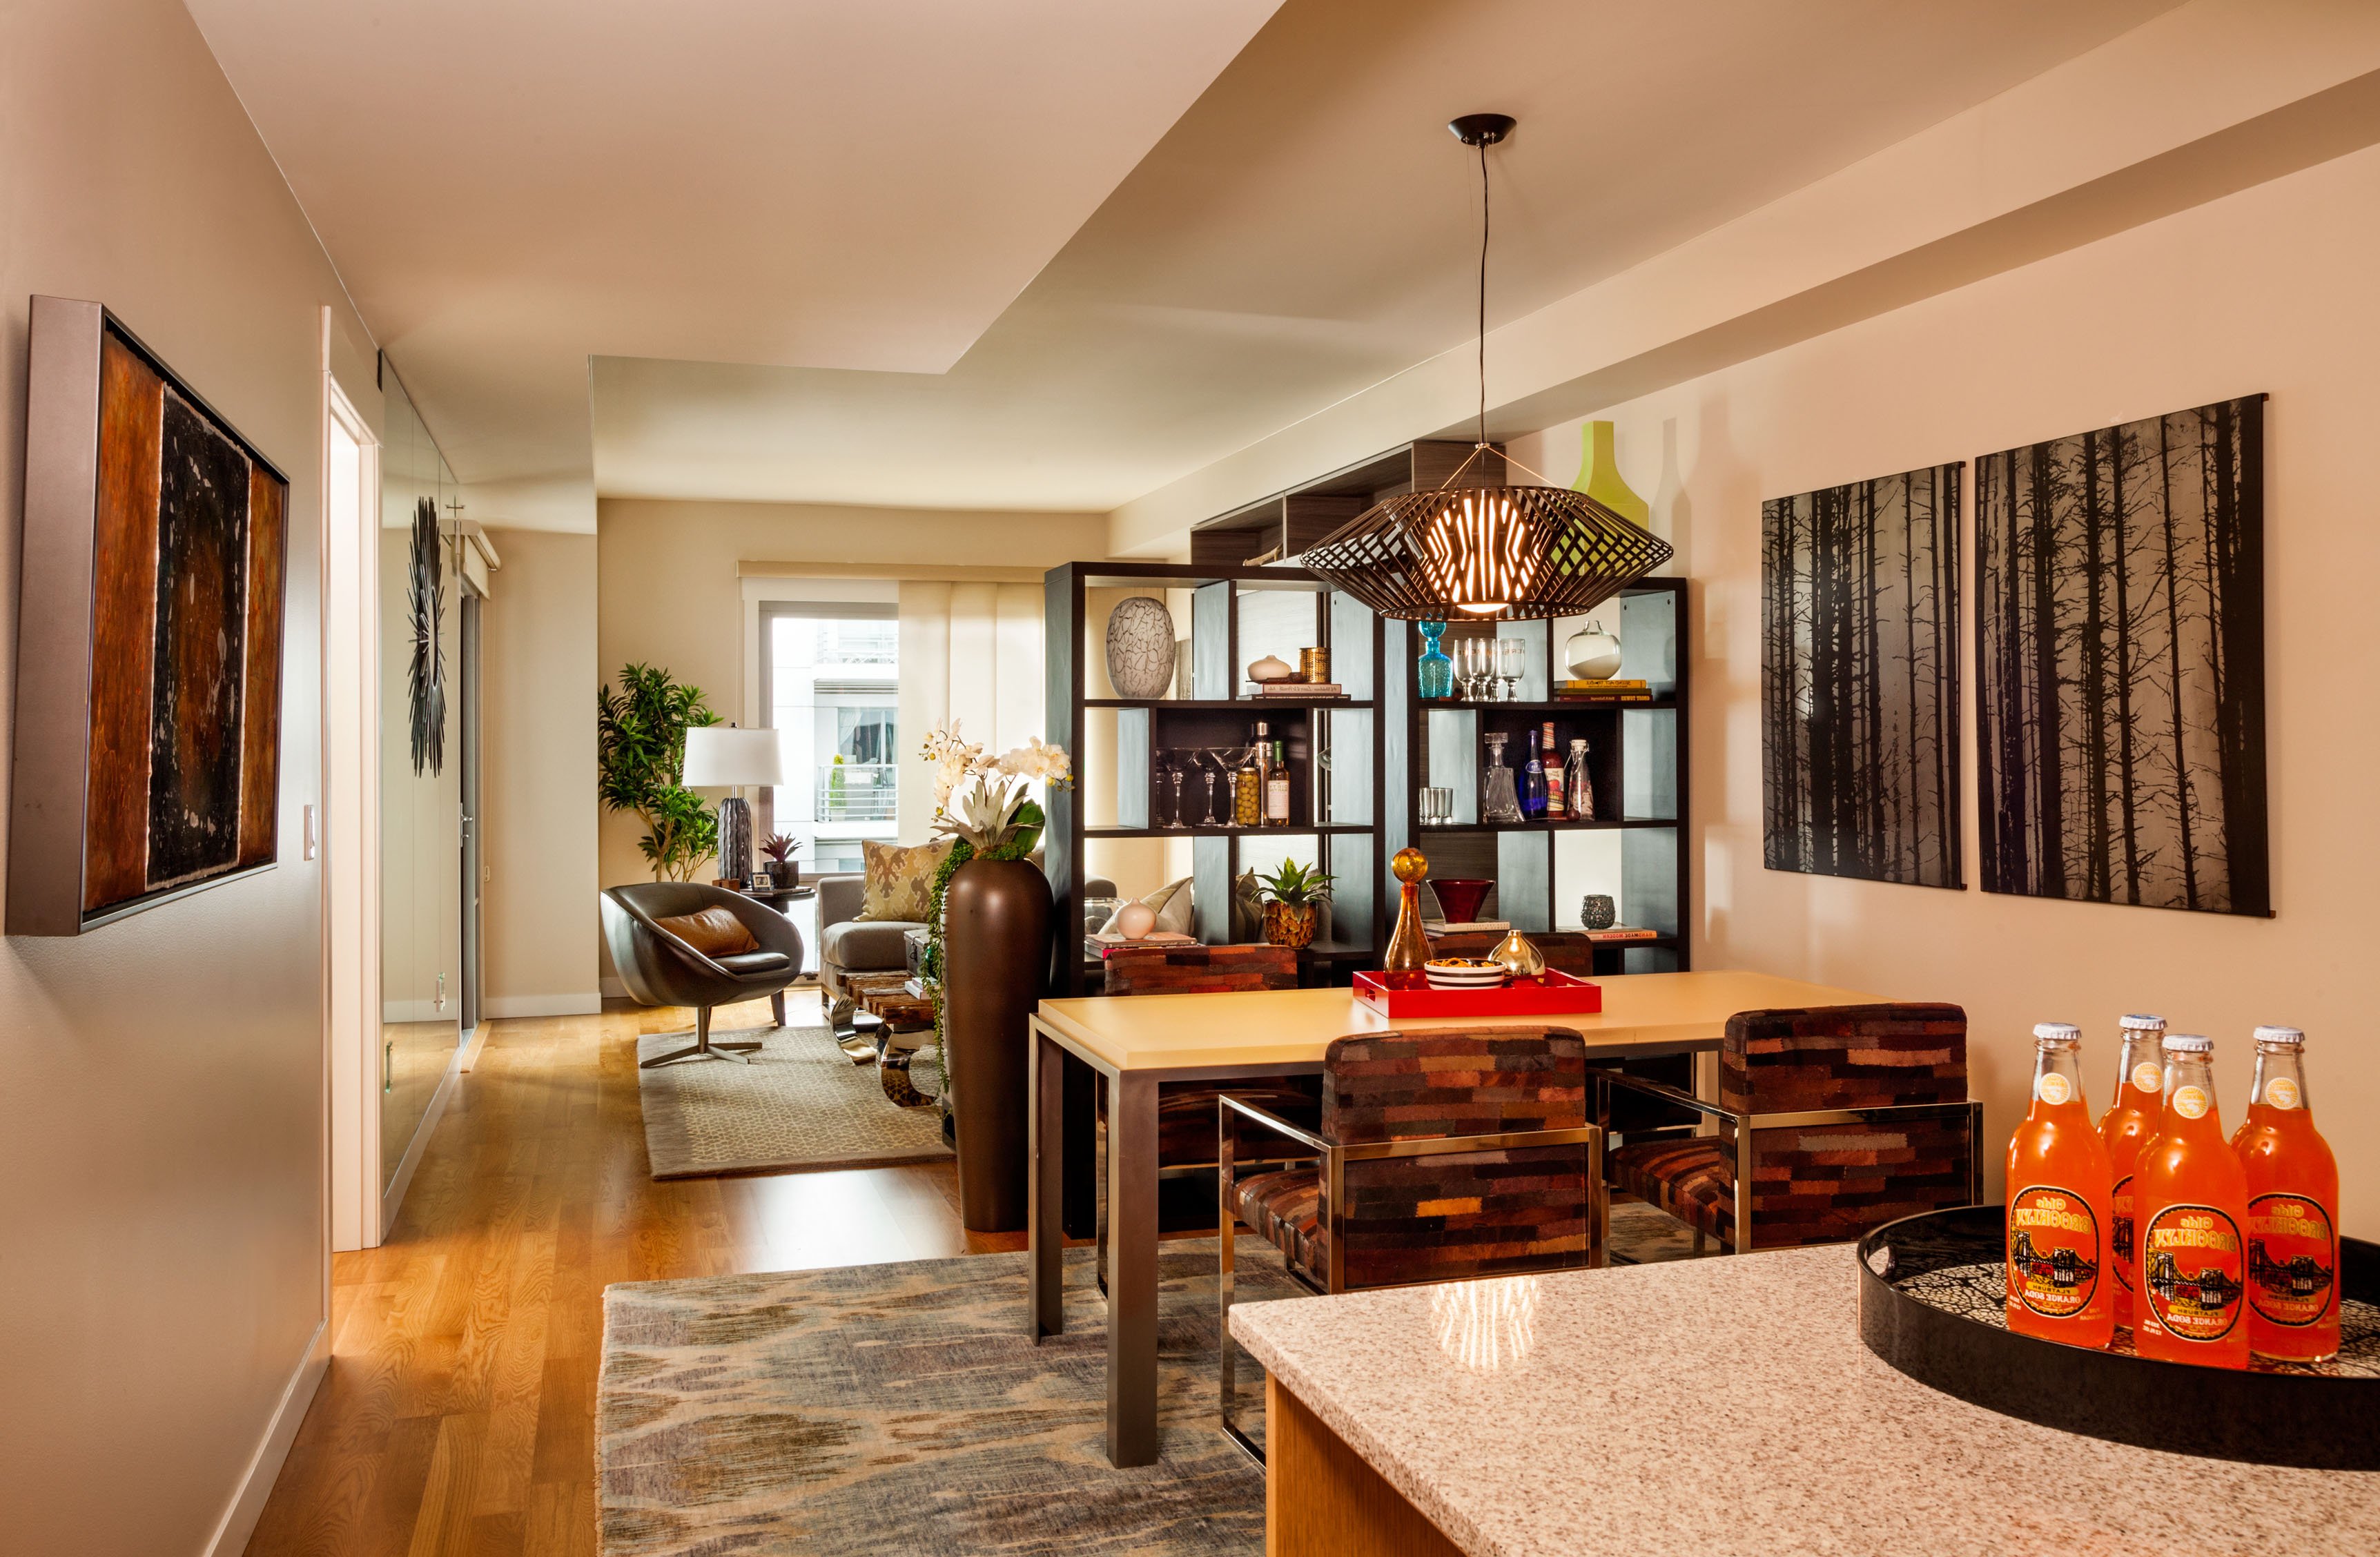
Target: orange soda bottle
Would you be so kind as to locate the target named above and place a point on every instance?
(2189, 1199)
(2130, 1120)
(2059, 1188)
(2292, 1211)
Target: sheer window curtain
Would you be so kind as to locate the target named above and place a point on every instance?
(971, 652)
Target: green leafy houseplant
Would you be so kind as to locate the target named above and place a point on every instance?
(1291, 897)
(639, 759)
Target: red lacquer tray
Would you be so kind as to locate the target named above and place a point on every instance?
(1551, 993)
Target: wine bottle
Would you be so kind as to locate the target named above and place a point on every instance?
(1557, 803)
(1277, 787)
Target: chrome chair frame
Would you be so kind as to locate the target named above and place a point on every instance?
(1742, 1127)
(1334, 1160)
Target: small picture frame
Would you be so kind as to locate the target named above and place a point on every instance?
(762, 881)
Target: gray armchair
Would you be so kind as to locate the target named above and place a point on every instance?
(663, 968)
(849, 945)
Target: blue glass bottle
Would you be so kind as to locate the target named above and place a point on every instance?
(1434, 678)
(1532, 783)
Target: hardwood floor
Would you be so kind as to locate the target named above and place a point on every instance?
(458, 1415)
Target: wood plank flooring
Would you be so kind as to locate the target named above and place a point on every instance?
(458, 1415)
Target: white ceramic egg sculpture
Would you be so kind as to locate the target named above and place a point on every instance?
(1135, 920)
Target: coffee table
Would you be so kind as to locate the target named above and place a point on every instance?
(900, 1014)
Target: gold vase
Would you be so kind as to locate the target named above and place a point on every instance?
(1408, 948)
(1517, 957)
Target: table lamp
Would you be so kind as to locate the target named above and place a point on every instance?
(723, 757)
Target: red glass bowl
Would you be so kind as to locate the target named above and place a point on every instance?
(1460, 897)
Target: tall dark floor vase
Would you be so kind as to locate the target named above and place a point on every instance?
(996, 951)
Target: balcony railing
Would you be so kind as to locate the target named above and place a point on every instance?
(857, 792)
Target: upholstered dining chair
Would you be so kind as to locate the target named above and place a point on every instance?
(1841, 1118)
(685, 944)
(1440, 1156)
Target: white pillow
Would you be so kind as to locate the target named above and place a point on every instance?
(1173, 905)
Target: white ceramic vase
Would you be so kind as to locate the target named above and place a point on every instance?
(1140, 648)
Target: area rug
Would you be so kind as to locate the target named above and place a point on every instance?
(800, 1104)
(903, 1408)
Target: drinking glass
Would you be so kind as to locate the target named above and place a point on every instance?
(1208, 820)
(1511, 662)
(1173, 776)
(1471, 660)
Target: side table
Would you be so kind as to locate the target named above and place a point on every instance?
(901, 1014)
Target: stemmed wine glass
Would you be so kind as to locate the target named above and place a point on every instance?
(1226, 759)
(1173, 775)
(1470, 665)
(1511, 661)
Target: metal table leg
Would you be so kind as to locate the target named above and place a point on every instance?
(1131, 1270)
(1045, 1238)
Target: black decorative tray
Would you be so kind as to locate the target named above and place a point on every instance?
(1931, 1294)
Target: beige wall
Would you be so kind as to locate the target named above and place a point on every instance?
(2269, 289)
(161, 1112)
(538, 679)
(668, 592)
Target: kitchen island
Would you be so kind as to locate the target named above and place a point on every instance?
(1706, 1406)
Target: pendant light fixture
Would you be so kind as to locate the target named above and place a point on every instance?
(1479, 552)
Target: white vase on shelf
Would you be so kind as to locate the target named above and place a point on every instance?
(1140, 648)
(1592, 654)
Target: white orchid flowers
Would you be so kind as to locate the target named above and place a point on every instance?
(985, 800)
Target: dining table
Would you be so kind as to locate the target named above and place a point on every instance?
(1138, 1044)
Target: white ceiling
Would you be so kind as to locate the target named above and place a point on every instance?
(512, 186)
(939, 254)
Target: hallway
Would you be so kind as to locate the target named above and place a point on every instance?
(458, 1414)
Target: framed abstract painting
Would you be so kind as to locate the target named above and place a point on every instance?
(1859, 674)
(2120, 650)
(149, 626)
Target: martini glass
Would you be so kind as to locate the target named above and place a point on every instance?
(1173, 777)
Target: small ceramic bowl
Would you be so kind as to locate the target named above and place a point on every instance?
(1463, 973)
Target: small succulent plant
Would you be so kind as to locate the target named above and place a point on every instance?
(779, 847)
(1295, 885)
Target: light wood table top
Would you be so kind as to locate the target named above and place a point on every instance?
(1293, 1026)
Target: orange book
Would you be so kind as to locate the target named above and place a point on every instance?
(2292, 1210)
(2190, 1202)
(2130, 1120)
(2059, 1189)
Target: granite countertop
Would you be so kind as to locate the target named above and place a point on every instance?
(1728, 1406)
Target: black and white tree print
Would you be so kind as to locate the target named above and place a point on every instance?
(2120, 663)
(1860, 679)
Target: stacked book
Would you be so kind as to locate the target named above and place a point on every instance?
(1606, 691)
(1301, 689)
(1466, 927)
(1623, 932)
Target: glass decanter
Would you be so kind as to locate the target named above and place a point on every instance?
(1434, 677)
(1498, 799)
(1578, 787)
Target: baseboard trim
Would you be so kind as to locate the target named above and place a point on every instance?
(577, 1004)
(239, 1523)
(394, 1197)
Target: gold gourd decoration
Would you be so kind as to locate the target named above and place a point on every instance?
(1517, 957)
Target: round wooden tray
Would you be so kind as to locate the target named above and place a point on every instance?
(1930, 1294)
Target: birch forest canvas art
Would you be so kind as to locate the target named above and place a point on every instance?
(2120, 663)
(1860, 679)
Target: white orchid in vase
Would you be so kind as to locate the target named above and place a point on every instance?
(986, 801)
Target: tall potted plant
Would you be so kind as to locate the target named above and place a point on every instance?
(639, 759)
(989, 958)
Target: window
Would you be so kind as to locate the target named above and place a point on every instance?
(831, 678)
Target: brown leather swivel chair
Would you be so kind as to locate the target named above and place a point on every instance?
(660, 967)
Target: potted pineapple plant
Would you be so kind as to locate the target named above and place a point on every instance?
(1292, 898)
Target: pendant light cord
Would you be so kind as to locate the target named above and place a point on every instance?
(1483, 291)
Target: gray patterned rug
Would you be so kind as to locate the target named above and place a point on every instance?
(800, 1104)
(902, 1408)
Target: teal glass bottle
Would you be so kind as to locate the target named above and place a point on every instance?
(1435, 675)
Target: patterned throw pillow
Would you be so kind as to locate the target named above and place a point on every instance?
(900, 882)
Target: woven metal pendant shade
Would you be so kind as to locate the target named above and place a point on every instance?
(1486, 554)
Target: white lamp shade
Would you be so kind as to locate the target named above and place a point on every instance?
(719, 756)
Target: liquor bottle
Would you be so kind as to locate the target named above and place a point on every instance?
(1434, 677)
(2189, 1208)
(1533, 779)
(1581, 787)
(1557, 800)
(2130, 1120)
(2292, 1210)
(1497, 802)
(1276, 808)
(2059, 1188)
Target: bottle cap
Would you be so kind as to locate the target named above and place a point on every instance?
(2141, 1024)
(2279, 1035)
(2057, 1032)
(2188, 1043)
